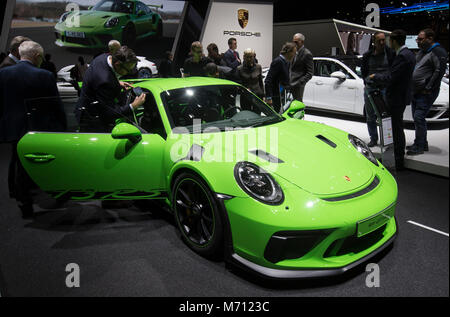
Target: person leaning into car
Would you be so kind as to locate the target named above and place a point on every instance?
(21, 83)
(376, 60)
(102, 90)
(398, 90)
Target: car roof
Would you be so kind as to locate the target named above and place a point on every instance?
(164, 84)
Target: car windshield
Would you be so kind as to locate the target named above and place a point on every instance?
(114, 6)
(218, 106)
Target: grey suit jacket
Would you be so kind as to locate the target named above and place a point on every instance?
(302, 68)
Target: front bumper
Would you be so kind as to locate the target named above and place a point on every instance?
(306, 273)
(93, 38)
(254, 225)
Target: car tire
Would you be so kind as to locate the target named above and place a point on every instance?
(197, 215)
(145, 72)
(129, 35)
(159, 30)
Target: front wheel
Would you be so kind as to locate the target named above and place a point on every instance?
(197, 215)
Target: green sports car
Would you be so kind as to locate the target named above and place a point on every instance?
(280, 196)
(122, 20)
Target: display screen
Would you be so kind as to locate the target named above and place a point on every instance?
(411, 42)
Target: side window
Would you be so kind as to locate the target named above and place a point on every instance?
(323, 69)
(142, 7)
(151, 119)
(316, 68)
(326, 68)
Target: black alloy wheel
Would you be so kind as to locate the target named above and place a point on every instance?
(197, 215)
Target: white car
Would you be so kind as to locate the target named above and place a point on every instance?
(145, 68)
(337, 86)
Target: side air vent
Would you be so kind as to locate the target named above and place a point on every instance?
(327, 141)
(266, 156)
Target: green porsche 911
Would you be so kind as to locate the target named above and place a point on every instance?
(122, 20)
(275, 194)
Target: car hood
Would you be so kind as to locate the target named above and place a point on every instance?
(306, 157)
(90, 18)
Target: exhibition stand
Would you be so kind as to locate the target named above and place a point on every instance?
(435, 161)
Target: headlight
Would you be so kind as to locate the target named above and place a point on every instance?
(362, 148)
(258, 183)
(112, 22)
(63, 17)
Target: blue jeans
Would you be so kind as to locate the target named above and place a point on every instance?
(420, 106)
(371, 117)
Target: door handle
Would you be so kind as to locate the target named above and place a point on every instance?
(319, 83)
(351, 87)
(39, 158)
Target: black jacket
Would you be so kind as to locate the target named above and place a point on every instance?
(302, 68)
(399, 79)
(430, 68)
(19, 84)
(100, 94)
(230, 59)
(365, 60)
(278, 74)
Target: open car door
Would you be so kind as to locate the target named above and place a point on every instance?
(84, 166)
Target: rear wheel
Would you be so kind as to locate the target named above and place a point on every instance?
(197, 215)
(144, 72)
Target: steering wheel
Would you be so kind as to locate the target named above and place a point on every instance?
(231, 108)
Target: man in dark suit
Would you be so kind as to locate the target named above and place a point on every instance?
(302, 67)
(19, 85)
(398, 90)
(101, 91)
(231, 57)
(13, 57)
(278, 75)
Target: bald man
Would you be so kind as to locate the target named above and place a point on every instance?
(302, 67)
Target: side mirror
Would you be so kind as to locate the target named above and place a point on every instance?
(339, 75)
(90, 7)
(296, 110)
(126, 131)
(140, 13)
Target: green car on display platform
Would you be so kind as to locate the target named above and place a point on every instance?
(122, 20)
(277, 195)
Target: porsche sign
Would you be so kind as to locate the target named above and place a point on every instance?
(243, 17)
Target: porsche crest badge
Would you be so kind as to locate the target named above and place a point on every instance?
(243, 17)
